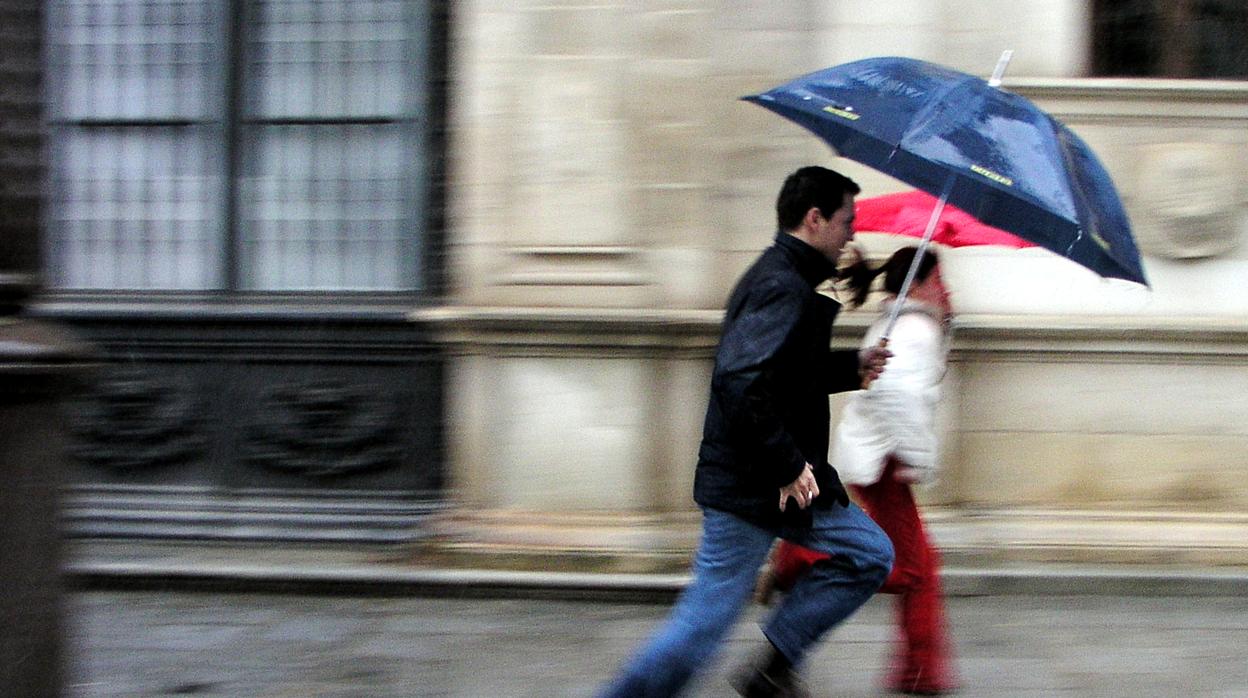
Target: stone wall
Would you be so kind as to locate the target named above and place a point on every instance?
(608, 187)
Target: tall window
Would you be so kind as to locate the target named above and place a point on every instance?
(238, 145)
(1170, 38)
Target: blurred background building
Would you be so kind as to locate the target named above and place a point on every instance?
(244, 203)
(357, 262)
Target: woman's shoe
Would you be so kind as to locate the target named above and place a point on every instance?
(919, 687)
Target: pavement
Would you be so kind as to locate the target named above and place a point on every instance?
(230, 620)
(153, 643)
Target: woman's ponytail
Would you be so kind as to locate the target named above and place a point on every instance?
(859, 275)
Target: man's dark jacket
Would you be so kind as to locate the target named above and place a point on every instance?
(768, 412)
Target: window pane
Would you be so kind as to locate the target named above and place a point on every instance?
(1222, 46)
(329, 186)
(327, 207)
(1170, 38)
(333, 58)
(1125, 34)
(132, 59)
(332, 109)
(134, 208)
(134, 89)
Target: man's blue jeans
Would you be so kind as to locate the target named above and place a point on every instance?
(724, 573)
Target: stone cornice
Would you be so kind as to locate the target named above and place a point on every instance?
(1135, 99)
(196, 308)
(598, 330)
(1083, 339)
(605, 331)
(1132, 88)
(678, 332)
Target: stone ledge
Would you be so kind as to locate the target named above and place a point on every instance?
(1171, 540)
(380, 572)
(533, 541)
(641, 544)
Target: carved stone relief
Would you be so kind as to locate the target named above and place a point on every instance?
(324, 428)
(1186, 202)
(132, 419)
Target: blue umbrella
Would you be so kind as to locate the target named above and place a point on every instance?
(992, 154)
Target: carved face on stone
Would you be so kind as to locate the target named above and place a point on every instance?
(1185, 200)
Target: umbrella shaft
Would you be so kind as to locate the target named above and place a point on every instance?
(918, 257)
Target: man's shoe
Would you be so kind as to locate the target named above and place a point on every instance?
(756, 683)
(765, 588)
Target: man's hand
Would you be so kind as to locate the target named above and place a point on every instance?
(804, 489)
(872, 361)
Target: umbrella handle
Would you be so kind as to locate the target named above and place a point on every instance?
(999, 71)
(868, 380)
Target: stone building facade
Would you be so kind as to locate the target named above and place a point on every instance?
(608, 187)
(584, 186)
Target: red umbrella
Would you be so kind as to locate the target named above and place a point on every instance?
(907, 213)
(921, 215)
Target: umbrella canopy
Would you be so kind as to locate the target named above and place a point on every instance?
(994, 154)
(907, 213)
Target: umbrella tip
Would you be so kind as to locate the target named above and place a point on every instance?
(999, 71)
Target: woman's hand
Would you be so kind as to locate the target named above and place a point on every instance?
(906, 474)
(871, 361)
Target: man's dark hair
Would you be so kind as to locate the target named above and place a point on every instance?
(811, 186)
